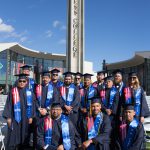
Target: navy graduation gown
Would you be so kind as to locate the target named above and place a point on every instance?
(18, 133)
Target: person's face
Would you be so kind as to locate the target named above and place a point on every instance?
(22, 83)
(133, 79)
(96, 108)
(46, 79)
(87, 82)
(68, 80)
(109, 83)
(118, 78)
(55, 76)
(129, 114)
(56, 112)
(77, 79)
(100, 77)
(26, 72)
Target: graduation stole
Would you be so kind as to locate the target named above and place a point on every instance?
(103, 96)
(121, 88)
(47, 130)
(31, 83)
(81, 91)
(29, 103)
(17, 104)
(90, 95)
(127, 92)
(59, 83)
(49, 95)
(65, 132)
(69, 98)
(95, 84)
(113, 92)
(39, 93)
(93, 126)
(130, 134)
(137, 101)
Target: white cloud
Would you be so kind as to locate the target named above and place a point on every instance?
(5, 28)
(49, 33)
(56, 23)
(63, 27)
(62, 41)
(23, 39)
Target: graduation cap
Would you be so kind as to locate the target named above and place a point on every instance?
(55, 104)
(129, 107)
(46, 73)
(22, 76)
(68, 74)
(78, 74)
(132, 74)
(87, 75)
(26, 67)
(95, 100)
(109, 78)
(55, 70)
(101, 72)
(118, 71)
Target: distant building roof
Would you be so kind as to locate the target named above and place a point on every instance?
(136, 60)
(29, 52)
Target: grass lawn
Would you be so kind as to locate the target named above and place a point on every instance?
(148, 144)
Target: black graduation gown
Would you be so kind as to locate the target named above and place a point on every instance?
(75, 104)
(57, 135)
(19, 132)
(138, 139)
(102, 140)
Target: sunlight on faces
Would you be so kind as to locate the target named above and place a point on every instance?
(100, 77)
(77, 79)
(129, 114)
(26, 72)
(118, 78)
(87, 82)
(56, 112)
(46, 79)
(55, 76)
(109, 83)
(96, 108)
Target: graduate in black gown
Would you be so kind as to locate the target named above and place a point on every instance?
(58, 126)
(97, 129)
(19, 112)
(134, 94)
(78, 80)
(70, 98)
(131, 131)
(100, 83)
(54, 78)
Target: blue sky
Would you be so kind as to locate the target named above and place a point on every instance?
(114, 29)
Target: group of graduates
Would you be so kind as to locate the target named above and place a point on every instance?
(76, 113)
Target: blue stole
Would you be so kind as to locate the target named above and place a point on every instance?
(59, 84)
(16, 104)
(49, 95)
(47, 131)
(93, 131)
(65, 132)
(113, 92)
(29, 103)
(31, 83)
(130, 134)
(121, 88)
(69, 98)
(137, 101)
(90, 95)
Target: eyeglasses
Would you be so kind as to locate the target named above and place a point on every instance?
(55, 74)
(78, 78)
(22, 81)
(133, 78)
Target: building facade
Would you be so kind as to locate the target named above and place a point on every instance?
(140, 63)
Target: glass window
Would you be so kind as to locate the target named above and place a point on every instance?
(3, 54)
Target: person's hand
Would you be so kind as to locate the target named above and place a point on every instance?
(60, 147)
(9, 122)
(86, 144)
(30, 120)
(43, 111)
(84, 110)
(108, 111)
(142, 119)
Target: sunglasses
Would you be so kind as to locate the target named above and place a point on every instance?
(22, 81)
(78, 78)
(55, 74)
(132, 77)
